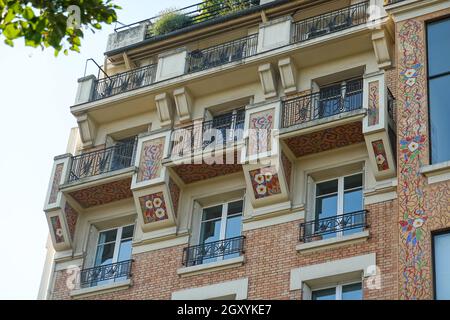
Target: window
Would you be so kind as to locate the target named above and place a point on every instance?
(339, 206)
(352, 291)
(123, 153)
(438, 33)
(229, 128)
(340, 97)
(441, 254)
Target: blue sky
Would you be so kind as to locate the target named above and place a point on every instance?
(36, 91)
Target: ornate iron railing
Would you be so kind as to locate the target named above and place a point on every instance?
(388, 2)
(214, 134)
(222, 54)
(330, 22)
(93, 163)
(195, 255)
(391, 106)
(104, 274)
(198, 13)
(124, 82)
(316, 229)
(315, 106)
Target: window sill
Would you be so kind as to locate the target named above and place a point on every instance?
(87, 292)
(333, 242)
(209, 267)
(437, 172)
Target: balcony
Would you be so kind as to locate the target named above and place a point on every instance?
(106, 274)
(213, 251)
(98, 162)
(336, 226)
(222, 54)
(124, 82)
(330, 22)
(307, 108)
(389, 2)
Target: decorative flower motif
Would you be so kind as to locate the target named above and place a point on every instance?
(149, 204)
(413, 146)
(157, 202)
(59, 232)
(261, 189)
(418, 223)
(269, 176)
(160, 213)
(259, 178)
(380, 159)
(411, 81)
(410, 73)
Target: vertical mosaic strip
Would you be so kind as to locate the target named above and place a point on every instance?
(175, 195)
(261, 125)
(374, 103)
(71, 218)
(380, 155)
(287, 167)
(57, 229)
(153, 207)
(265, 182)
(414, 251)
(151, 156)
(55, 183)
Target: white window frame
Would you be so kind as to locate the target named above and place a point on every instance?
(340, 195)
(223, 219)
(338, 288)
(116, 242)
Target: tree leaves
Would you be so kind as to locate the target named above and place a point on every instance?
(46, 23)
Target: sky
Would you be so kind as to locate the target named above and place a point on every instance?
(36, 92)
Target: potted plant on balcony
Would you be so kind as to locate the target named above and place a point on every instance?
(168, 21)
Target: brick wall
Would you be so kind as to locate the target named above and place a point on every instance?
(270, 255)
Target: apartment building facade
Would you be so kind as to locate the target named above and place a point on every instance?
(264, 149)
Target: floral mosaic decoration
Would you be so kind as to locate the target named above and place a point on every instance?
(265, 182)
(153, 207)
(57, 229)
(380, 155)
(151, 157)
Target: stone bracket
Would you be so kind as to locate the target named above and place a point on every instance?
(288, 75)
(383, 46)
(88, 130)
(268, 80)
(164, 105)
(183, 103)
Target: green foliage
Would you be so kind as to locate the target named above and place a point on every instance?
(45, 23)
(212, 8)
(168, 21)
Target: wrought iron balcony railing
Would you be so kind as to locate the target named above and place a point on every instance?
(101, 275)
(389, 2)
(197, 13)
(123, 82)
(209, 252)
(318, 105)
(330, 22)
(213, 134)
(222, 54)
(339, 224)
(391, 106)
(93, 163)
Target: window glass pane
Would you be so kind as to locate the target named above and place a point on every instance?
(327, 187)
(127, 232)
(235, 207)
(105, 254)
(233, 227)
(212, 213)
(353, 201)
(442, 266)
(438, 47)
(353, 181)
(352, 292)
(326, 206)
(210, 231)
(107, 236)
(439, 115)
(325, 294)
(124, 251)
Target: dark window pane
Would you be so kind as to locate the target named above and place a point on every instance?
(127, 232)
(212, 213)
(107, 236)
(439, 47)
(352, 292)
(235, 207)
(210, 231)
(442, 266)
(327, 187)
(325, 294)
(439, 119)
(353, 181)
(105, 254)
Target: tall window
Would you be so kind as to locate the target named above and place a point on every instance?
(438, 33)
(335, 198)
(441, 248)
(220, 223)
(352, 291)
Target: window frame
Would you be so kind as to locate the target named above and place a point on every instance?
(433, 256)
(429, 78)
(338, 288)
(117, 242)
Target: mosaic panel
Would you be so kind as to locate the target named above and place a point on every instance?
(153, 207)
(265, 182)
(150, 166)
